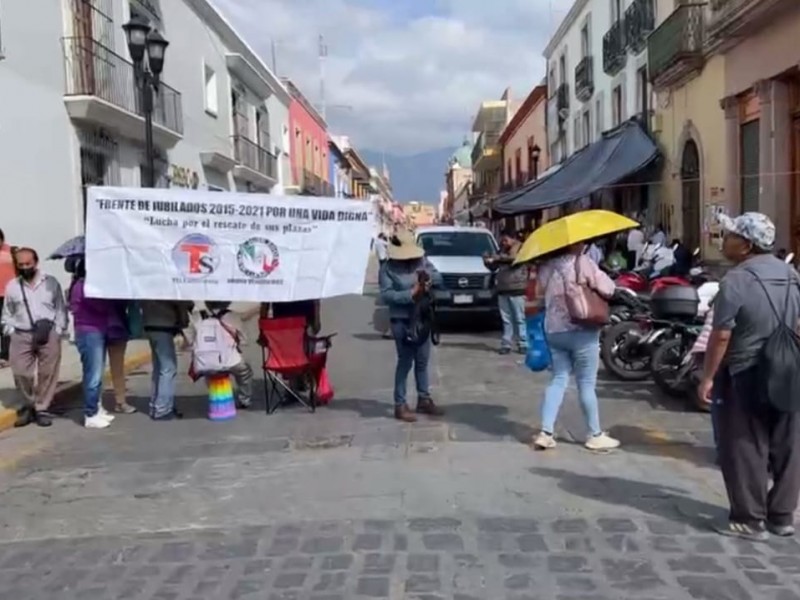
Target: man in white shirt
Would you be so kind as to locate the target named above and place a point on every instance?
(635, 245)
(381, 248)
(659, 238)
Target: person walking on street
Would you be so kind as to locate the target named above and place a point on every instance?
(163, 320)
(635, 245)
(7, 273)
(758, 440)
(35, 317)
(381, 246)
(97, 323)
(574, 347)
(511, 282)
(405, 282)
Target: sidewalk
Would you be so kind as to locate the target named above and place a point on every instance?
(137, 355)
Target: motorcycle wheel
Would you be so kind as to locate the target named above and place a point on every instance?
(666, 369)
(627, 364)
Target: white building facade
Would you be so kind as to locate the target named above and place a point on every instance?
(597, 72)
(72, 116)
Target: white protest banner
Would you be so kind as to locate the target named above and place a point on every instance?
(176, 244)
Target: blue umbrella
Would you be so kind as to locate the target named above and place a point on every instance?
(73, 247)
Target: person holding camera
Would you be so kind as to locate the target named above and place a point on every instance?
(406, 281)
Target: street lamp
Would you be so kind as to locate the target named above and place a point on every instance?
(147, 43)
(535, 153)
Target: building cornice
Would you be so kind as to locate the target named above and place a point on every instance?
(235, 44)
(295, 92)
(536, 97)
(566, 24)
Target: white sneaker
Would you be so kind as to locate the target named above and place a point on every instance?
(602, 441)
(102, 412)
(96, 422)
(544, 441)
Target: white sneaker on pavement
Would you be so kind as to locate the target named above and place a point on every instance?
(96, 422)
(102, 412)
(544, 441)
(602, 441)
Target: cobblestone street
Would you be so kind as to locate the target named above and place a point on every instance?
(348, 503)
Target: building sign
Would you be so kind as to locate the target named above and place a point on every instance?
(183, 177)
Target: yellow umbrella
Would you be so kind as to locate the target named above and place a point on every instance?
(572, 229)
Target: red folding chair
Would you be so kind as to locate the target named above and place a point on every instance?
(289, 355)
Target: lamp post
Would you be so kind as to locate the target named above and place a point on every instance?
(535, 153)
(147, 48)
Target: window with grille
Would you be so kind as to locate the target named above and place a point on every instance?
(99, 157)
(598, 116)
(616, 108)
(587, 127)
(750, 157)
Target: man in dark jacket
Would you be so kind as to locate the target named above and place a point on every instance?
(511, 283)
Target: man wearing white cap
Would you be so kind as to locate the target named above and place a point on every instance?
(759, 429)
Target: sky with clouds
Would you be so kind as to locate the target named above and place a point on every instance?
(402, 76)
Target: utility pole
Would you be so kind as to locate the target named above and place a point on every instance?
(274, 48)
(323, 55)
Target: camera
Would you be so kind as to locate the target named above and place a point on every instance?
(423, 276)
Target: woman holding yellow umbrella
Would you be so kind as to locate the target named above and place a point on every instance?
(574, 292)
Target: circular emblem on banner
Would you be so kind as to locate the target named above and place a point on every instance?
(257, 257)
(196, 256)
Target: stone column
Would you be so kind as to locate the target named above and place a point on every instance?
(766, 179)
(782, 162)
(733, 189)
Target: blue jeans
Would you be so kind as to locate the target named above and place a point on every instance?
(575, 352)
(165, 370)
(92, 349)
(409, 355)
(512, 313)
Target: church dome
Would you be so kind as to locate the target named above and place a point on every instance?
(462, 156)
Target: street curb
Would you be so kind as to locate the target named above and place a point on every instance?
(8, 416)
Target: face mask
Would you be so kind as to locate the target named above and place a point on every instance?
(27, 274)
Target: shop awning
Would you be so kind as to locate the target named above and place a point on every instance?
(619, 154)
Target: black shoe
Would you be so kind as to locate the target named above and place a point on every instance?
(504, 351)
(244, 405)
(24, 417)
(165, 417)
(177, 414)
(42, 418)
(743, 531)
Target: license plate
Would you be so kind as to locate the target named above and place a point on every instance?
(462, 299)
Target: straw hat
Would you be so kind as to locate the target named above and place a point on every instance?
(403, 246)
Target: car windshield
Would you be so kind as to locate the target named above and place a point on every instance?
(457, 243)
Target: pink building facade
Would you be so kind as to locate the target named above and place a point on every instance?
(308, 146)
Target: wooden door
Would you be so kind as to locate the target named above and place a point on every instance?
(691, 194)
(83, 47)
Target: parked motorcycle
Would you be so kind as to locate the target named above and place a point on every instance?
(627, 347)
(675, 369)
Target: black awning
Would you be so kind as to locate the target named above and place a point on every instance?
(620, 153)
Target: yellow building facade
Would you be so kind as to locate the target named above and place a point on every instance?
(689, 125)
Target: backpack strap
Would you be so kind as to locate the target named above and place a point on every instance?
(769, 299)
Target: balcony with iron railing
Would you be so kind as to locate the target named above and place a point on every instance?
(101, 89)
(255, 164)
(640, 20)
(584, 79)
(675, 48)
(615, 48)
(486, 145)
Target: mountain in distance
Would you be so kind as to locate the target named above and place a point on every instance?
(414, 178)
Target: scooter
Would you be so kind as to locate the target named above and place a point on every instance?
(653, 271)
